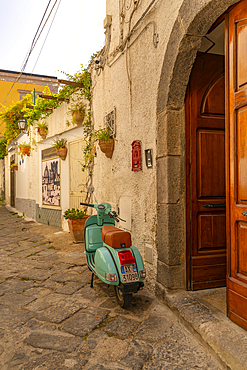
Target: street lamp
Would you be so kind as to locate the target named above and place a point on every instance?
(22, 124)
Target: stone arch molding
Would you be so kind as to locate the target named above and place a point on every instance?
(194, 19)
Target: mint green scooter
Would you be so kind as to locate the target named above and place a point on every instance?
(111, 255)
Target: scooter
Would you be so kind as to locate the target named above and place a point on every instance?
(111, 255)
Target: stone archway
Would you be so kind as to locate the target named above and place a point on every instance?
(193, 21)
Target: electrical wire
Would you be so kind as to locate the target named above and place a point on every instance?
(34, 42)
(46, 36)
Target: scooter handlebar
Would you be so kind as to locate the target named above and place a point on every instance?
(87, 204)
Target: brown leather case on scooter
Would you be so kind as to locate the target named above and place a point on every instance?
(116, 238)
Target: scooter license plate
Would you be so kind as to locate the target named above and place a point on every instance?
(129, 273)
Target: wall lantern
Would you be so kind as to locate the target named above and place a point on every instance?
(22, 124)
(136, 156)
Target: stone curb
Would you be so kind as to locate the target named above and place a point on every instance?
(224, 339)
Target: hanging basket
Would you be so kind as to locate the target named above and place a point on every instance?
(62, 153)
(25, 150)
(78, 117)
(76, 228)
(107, 147)
(43, 131)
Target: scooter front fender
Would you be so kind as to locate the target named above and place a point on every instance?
(104, 263)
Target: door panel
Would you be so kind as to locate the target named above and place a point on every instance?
(211, 145)
(207, 172)
(236, 48)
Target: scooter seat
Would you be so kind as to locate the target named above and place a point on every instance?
(116, 238)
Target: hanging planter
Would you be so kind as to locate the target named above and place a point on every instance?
(78, 118)
(14, 166)
(76, 221)
(107, 147)
(62, 153)
(60, 145)
(24, 149)
(106, 141)
(78, 112)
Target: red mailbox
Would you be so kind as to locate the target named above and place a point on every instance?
(136, 156)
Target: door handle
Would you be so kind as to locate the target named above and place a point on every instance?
(244, 213)
(219, 205)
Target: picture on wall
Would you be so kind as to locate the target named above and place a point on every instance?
(51, 182)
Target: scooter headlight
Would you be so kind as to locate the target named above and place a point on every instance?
(110, 277)
(142, 274)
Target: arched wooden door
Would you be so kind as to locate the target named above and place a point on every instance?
(236, 136)
(206, 208)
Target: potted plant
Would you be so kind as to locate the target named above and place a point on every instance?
(78, 112)
(14, 166)
(25, 148)
(106, 141)
(76, 221)
(42, 129)
(60, 145)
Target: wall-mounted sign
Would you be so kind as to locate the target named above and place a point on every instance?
(136, 156)
(149, 159)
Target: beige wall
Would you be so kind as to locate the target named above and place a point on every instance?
(147, 86)
(130, 85)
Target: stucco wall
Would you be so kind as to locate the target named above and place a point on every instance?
(130, 85)
(147, 86)
(29, 174)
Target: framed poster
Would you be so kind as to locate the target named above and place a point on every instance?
(50, 178)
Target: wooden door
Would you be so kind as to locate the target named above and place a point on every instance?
(205, 137)
(236, 47)
(78, 178)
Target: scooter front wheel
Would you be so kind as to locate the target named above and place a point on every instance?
(124, 300)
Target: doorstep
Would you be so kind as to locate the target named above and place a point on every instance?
(224, 339)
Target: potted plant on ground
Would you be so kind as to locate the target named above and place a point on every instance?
(78, 112)
(24, 148)
(42, 129)
(60, 145)
(106, 141)
(76, 221)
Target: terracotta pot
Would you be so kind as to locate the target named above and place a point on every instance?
(25, 150)
(76, 228)
(78, 118)
(43, 131)
(107, 147)
(62, 153)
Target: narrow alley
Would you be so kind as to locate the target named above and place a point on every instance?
(50, 318)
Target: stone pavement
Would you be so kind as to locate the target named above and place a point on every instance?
(51, 319)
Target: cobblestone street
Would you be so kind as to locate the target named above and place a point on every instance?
(50, 318)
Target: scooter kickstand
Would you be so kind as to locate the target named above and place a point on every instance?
(92, 281)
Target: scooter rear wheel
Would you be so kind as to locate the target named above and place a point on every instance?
(124, 300)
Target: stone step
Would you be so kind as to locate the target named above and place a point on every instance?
(224, 339)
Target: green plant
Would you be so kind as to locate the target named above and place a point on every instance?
(24, 145)
(42, 125)
(79, 108)
(103, 134)
(3, 148)
(14, 165)
(59, 143)
(74, 214)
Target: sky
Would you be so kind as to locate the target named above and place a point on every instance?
(75, 34)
